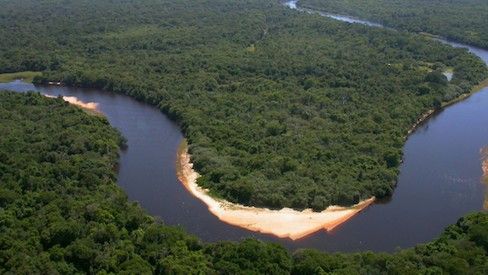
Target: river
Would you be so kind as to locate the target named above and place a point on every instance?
(294, 5)
(440, 178)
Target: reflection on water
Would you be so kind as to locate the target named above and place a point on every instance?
(438, 183)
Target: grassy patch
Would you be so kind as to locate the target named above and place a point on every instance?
(24, 76)
(449, 70)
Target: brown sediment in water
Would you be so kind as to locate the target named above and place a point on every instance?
(91, 106)
(484, 167)
(484, 164)
(284, 223)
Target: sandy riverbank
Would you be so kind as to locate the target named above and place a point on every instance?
(91, 106)
(484, 167)
(484, 164)
(284, 223)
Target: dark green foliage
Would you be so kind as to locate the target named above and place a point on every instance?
(54, 220)
(249, 257)
(459, 250)
(436, 77)
(280, 108)
(462, 20)
(60, 209)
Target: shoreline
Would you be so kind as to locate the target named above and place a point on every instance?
(375, 21)
(484, 168)
(484, 161)
(27, 76)
(425, 116)
(284, 223)
(91, 107)
(421, 120)
(289, 223)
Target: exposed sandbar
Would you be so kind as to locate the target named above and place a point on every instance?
(91, 106)
(484, 167)
(484, 159)
(284, 223)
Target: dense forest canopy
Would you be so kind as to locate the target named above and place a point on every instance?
(62, 212)
(280, 108)
(461, 20)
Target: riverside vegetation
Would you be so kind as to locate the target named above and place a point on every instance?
(281, 109)
(465, 21)
(62, 212)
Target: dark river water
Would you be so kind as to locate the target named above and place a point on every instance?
(440, 178)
